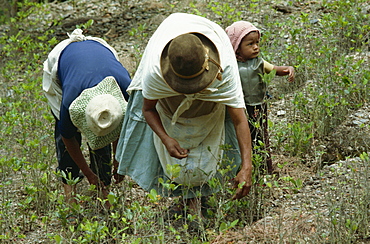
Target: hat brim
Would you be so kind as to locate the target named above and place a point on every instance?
(78, 107)
(197, 84)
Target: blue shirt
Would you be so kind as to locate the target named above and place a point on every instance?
(83, 65)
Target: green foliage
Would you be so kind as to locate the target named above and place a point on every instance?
(326, 53)
(86, 25)
(141, 35)
(225, 11)
(332, 79)
(24, 132)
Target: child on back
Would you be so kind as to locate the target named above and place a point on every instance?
(245, 38)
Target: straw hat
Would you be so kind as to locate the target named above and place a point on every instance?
(190, 63)
(98, 113)
(238, 30)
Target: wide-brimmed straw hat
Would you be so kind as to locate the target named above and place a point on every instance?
(98, 113)
(190, 63)
(238, 30)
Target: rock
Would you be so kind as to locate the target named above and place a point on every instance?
(284, 8)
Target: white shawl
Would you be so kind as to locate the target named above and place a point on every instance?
(148, 76)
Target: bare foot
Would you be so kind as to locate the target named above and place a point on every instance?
(70, 192)
(105, 193)
(194, 207)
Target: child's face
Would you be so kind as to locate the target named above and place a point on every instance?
(249, 47)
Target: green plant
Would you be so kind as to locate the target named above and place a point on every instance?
(225, 12)
(141, 34)
(326, 47)
(86, 25)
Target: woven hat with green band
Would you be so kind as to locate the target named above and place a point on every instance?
(98, 113)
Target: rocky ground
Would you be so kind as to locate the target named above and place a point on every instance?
(304, 212)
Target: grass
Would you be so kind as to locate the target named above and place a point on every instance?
(327, 48)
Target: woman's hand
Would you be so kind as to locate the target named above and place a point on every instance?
(243, 183)
(174, 149)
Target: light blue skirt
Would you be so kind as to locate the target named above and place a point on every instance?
(138, 158)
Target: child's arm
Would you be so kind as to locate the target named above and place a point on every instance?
(285, 70)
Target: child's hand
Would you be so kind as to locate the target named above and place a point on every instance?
(290, 72)
(285, 70)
